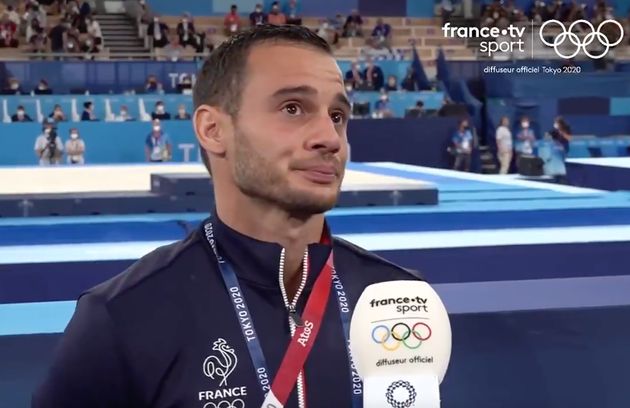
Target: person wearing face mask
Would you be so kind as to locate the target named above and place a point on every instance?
(462, 146)
(124, 115)
(13, 87)
(158, 145)
(181, 113)
(21, 115)
(355, 76)
(525, 137)
(373, 75)
(158, 32)
(57, 114)
(48, 146)
(392, 83)
(185, 85)
(292, 10)
(381, 107)
(152, 85)
(75, 148)
(258, 16)
(42, 88)
(160, 112)
(186, 32)
(277, 17)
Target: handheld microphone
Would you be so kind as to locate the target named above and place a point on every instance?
(400, 342)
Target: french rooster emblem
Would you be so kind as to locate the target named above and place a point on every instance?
(222, 365)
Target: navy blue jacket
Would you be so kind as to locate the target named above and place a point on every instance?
(145, 338)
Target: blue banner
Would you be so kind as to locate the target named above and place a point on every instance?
(413, 141)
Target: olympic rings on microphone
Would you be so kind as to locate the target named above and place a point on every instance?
(575, 40)
(411, 337)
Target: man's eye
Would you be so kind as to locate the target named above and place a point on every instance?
(338, 118)
(293, 109)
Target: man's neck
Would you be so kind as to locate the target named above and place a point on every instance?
(268, 223)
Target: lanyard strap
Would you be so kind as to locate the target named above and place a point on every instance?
(304, 338)
(302, 342)
(345, 315)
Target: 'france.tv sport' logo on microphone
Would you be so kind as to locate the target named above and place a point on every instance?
(404, 304)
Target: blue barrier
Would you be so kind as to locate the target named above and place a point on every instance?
(413, 141)
(542, 86)
(122, 76)
(105, 105)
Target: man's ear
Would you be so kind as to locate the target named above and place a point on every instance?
(208, 121)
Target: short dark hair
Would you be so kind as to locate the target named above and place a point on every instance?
(220, 80)
(86, 105)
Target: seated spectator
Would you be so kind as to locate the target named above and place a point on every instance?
(462, 142)
(89, 48)
(37, 37)
(355, 77)
(160, 112)
(21, 115)
(525, 138)
(158, 32)
(124, 115)
(381, 35)
(354, 25)
(181, 113)
(58, 36)
(276, 17)
(373, 75)
(12, 15)
(48, 146)
(336, 24)
(94, 31)
(392, 83)
(186, 32)
(185, 85)
(75, 148)
(382, 108)
(8, 33)
(503, 138)
(257, 17)
(232, 21)
(88, 112)
(42, 88)
(293, 12)
(13, 87)
(152, 85)
(57, 114)
(158, 146)
(416, 111)
(72, 44)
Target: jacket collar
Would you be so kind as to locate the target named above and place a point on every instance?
(257, 262)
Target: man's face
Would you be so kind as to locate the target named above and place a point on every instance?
(288, 142)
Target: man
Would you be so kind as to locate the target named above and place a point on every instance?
(232, 21)
(276, 17)
(463, 143)
(381, 35)
(20, 115)
(124, 115)
(373, 75)
(181, 113)
(157, 145)
(186, 32)
(257, 17)
(48, 146)
(88, 112)
(160, 112)
(274, 140)
(158, 31)
(354, 25)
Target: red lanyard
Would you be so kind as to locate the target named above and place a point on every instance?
(302, 342)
